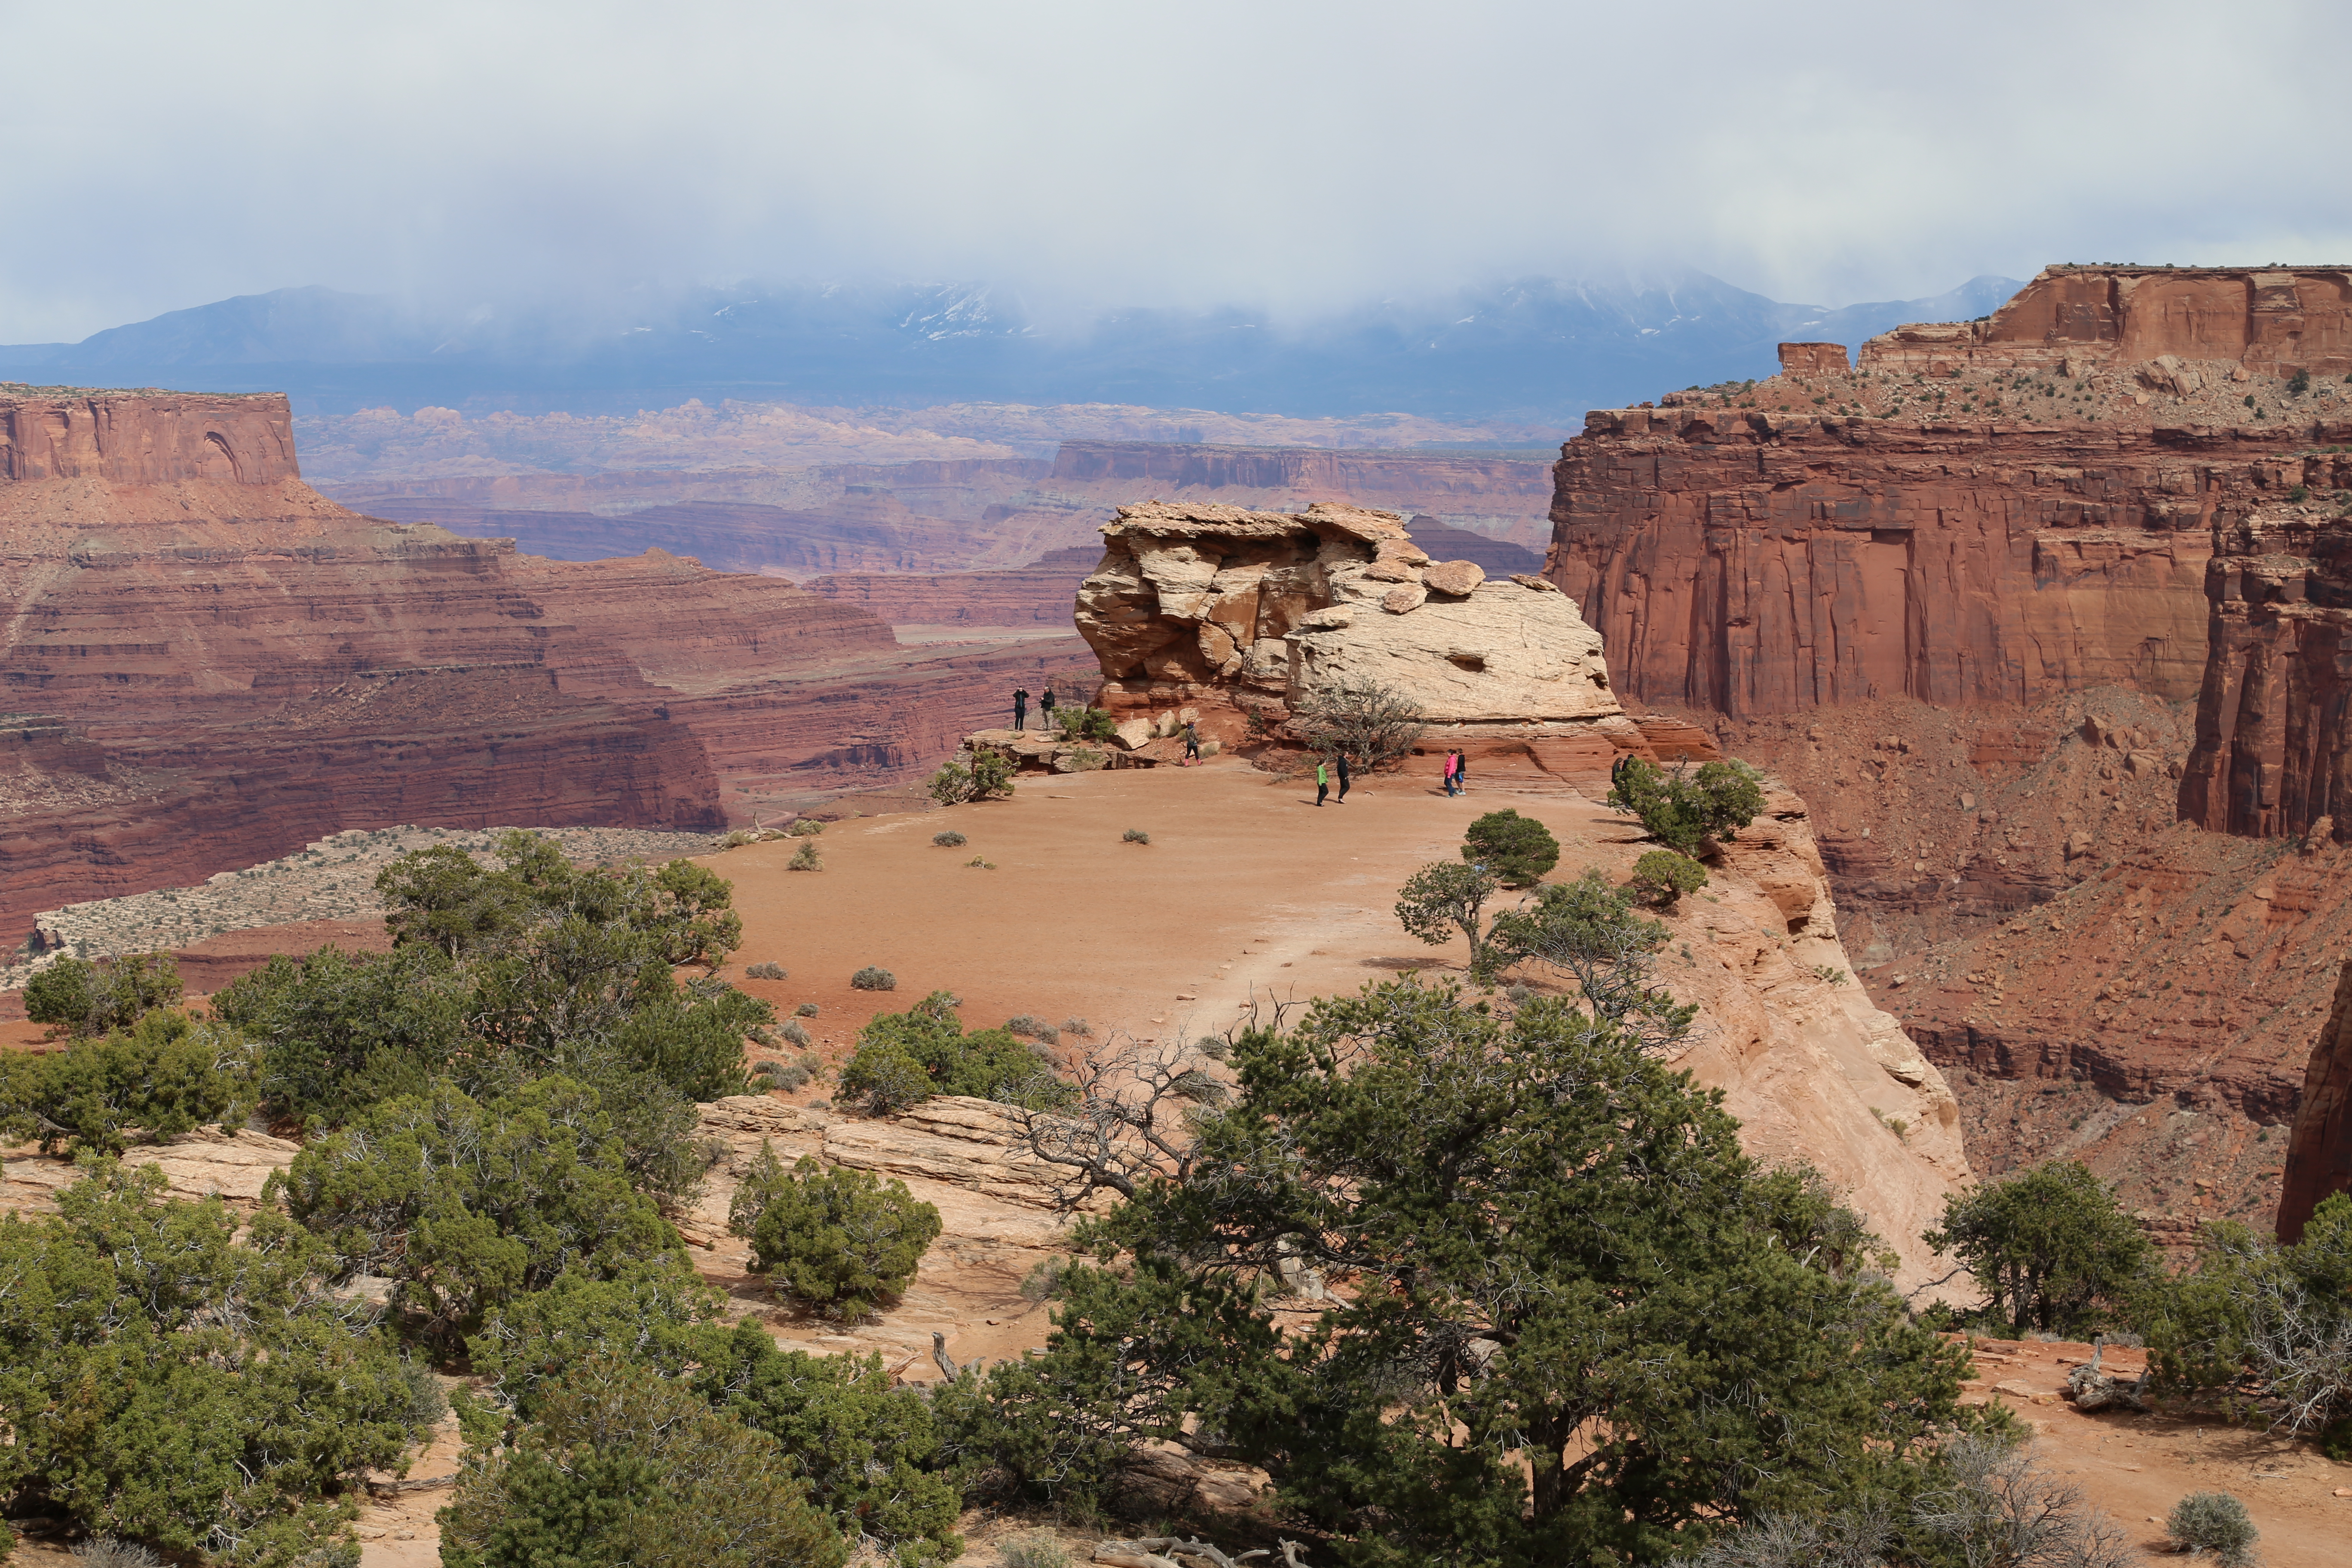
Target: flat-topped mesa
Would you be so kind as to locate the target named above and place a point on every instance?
(2273, 755)
(144, 437)
(2273, 320)
(1230, 611)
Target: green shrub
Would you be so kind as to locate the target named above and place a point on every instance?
(338, 1031)
(988, 777)
(837, 1240)
(766, 972)
(2050, 1246)
(178, 1374)
(624, 1466)
(1663, 875)
(806, 827)
(870, 1451)
(168, 1074)
(949, 840)
(1446, 898)
(797, 1033)
(806, 858)
(2298, 383)
(1085, 724)
(1517, 849)
(641, 1313)
(466, 1205)
(1135, 836)
(2215, 1522)
(1026, 1024)
(873, 978)
(1684, 813)
(904, 1058)
(86, 999)
(805, 1010)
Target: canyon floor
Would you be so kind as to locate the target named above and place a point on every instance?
(1247, 890)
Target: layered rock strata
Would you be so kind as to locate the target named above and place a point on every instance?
(2273, 751)
(229, 665)
(2319, 1152)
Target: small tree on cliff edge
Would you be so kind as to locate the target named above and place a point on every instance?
(1682, 811)
(2048, 1246)
(1375, 725)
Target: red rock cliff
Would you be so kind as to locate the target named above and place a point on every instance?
(2273, 751)
(2319, 1151)
(228, 665)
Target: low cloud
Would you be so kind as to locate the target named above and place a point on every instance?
(1297, 155)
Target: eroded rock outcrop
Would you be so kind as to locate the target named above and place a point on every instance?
(2319, 1151)
(2273, 753)
(1227, 611)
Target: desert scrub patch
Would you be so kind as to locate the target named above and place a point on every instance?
(949, 840)
(805, 1010)
(806, 858)
(1135, 836)
(765, 972)
(874, 977)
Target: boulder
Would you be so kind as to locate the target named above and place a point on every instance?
(1501, 653)
(1134, 732)
(1457, 578)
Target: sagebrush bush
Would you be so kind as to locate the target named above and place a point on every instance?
(1078, 1027)
(805, 1010)
(950, 839)
(2215, 1522)
(1024, 1024)
(1135, 836)
(1036, 1550)
(839, 1240)
(806, 858)
(806, 827)
(106, 1552)
(766, 972)
(874, 977)
(795, 1032)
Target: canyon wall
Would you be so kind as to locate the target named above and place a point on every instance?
(2071, 318)
(2273, 751)
(1755, 563)
(213, 663)
(2319, 1151)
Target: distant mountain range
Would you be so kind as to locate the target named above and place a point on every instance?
(1537, 352)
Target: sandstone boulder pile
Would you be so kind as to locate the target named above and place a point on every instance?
(1228, 611)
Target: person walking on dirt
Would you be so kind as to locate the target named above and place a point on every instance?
(1191, 743)
(1045, 711)
(1461, 774)
(1322, 782)
(1343, 778)
(1451, 758)
(1020, 708)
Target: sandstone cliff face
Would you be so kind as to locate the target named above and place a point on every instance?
(2273, 740)
(2319, 1153)
(1218, 603)
(2297, 318)
(1751, 563)
(247, 667)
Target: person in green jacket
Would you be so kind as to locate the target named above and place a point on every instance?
(1322, 781)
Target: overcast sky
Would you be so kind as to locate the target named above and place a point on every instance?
(1297, 154)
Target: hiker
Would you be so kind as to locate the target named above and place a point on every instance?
(1461, 773)
(1193, 748)
(1343, 778)
(1020, 708)
(1045, 711)
(1451, 759)
(1322, 781)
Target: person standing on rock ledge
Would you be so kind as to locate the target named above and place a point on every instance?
(1322, 781)
(1020, 708)
(1045, 712)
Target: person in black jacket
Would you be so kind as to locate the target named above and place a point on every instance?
(1344, 776)
(1020, 707)
(1045, 712)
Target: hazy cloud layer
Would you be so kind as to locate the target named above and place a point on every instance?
(1292, 153)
